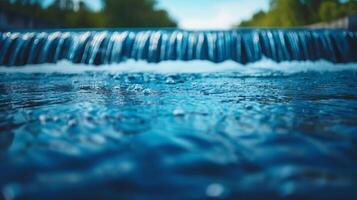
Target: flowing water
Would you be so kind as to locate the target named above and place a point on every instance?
(115, 46)
(281, 128)
(244, 132)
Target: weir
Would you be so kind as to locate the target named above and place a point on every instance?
(115, 46)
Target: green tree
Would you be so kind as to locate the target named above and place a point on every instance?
(258, 18)
(311, 6)
(349, 8)
(330, 10)
(115, 13)
(286, 13)
(135, 13)
(84, 18)
(289, 13)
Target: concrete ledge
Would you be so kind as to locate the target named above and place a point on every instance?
(349, 23)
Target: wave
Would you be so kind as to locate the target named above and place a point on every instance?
(173, 67)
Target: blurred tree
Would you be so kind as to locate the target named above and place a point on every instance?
(311, 7)
(55, 14)
(135, 13)
(84, 18)
(288, 13)
(330, 10)
(115, 13)
(258, 18)
(350, 8)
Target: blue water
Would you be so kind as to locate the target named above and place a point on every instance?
(156, 135)
(116, 46)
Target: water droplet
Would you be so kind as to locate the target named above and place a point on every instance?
(56, 118)
(42, 119)
(71, 123)
(170, 80)
(179, 112)
(147, 91)
(135, 88)
(215, 190)
(98, 139)
(117, 76)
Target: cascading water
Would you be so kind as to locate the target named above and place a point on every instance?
(243, 46)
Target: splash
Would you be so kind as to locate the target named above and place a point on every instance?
(261, 67)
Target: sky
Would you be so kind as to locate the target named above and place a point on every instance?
(204, 14)
(211, 14)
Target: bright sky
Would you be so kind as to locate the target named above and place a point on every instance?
(205, 14)
(211, 14)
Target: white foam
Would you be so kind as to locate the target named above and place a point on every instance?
(131, 66)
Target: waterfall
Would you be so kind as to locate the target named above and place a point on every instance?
(114, 46)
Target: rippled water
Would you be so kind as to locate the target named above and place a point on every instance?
(224, 135)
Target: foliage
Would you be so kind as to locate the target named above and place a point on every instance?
(137, 13)
(115, 13)
(290, 13)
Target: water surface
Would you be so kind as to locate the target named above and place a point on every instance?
(265, 134)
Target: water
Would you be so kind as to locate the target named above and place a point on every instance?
(264, 131)
(115, 46)
(147, 129)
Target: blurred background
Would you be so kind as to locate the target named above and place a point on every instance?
(186, 14)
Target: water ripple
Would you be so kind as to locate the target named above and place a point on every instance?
(196, 135)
